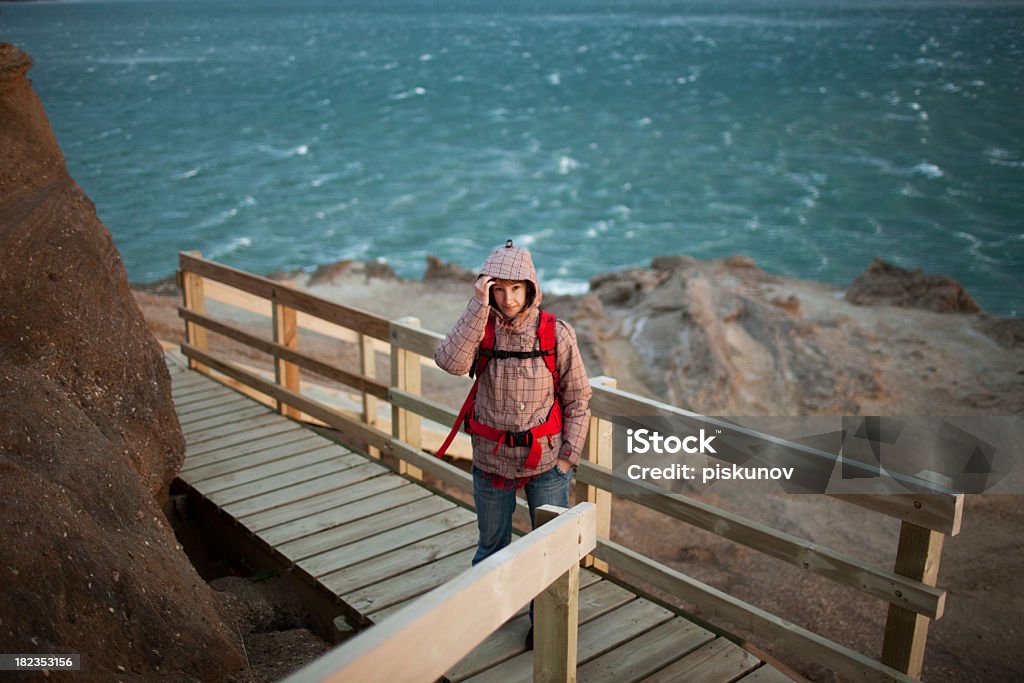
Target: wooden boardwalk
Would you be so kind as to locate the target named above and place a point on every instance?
(377, 540)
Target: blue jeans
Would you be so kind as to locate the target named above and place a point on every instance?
(494, 506)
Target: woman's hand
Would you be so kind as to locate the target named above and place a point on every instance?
(483, 289)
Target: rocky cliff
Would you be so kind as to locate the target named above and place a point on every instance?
(89, 440)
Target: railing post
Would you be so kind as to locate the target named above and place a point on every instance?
(405, 375)
(286, 374)
(368, 366)
(598, 450)
(906, 632)
(194, 300)
(556, 620)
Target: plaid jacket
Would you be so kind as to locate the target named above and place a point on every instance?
(517, 393)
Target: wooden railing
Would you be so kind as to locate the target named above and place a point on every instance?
(926, 516)
(423, 640)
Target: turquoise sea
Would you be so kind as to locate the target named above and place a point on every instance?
(810, 135)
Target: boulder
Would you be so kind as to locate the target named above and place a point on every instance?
(442, 270)
(884, 283)
(89, 440)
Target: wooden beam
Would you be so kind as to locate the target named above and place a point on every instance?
(368, 366)
(717, 604)
(286, 373)
(556, 619)
(358, 382)
(423, 640)
(331, 311)
(405, 376)
(912, 499)
(409, 336)
(193, 298)
(906, 632)
(599, 453)
(817, 559)
(424, 407)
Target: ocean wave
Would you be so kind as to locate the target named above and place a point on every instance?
(997, 156)
(229, 247)
(409, 93)
(565, 286)
(928, 170)
(277, 153)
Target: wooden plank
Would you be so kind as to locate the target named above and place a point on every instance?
(401, 560)
(233, 399)
(394, 590)
(765, 674)
(353, 428)
(345, 316)
(285, 480)
(373, 520)
(186, 381)
(917, 556)
(406, 648)
(311, 443)
(215, 483)
(595, 638)
(284, 440)
(717, 604)
(333, 560)
(720, 661)
(318, 522)
(251, 436)
(307, 489)
(203, 395)
(241, 424)
(308, 506)
(327, 414)
(203, 421)
(597, 598)
(648, 653)
(799, 552)
(190, 381)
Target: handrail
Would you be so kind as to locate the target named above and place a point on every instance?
(426, 638)
(839, 658)
(926, 514)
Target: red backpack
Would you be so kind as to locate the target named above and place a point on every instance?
(529, 437)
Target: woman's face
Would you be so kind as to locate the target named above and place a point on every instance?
(509, 296)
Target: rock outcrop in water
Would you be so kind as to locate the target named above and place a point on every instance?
(89, 440)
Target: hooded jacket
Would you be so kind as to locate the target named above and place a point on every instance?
(517, 393)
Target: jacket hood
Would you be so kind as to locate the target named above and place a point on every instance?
(513, 263)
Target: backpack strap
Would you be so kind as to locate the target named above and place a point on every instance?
(486, 350)
(548, 346)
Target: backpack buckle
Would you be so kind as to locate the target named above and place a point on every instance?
(519, 439)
